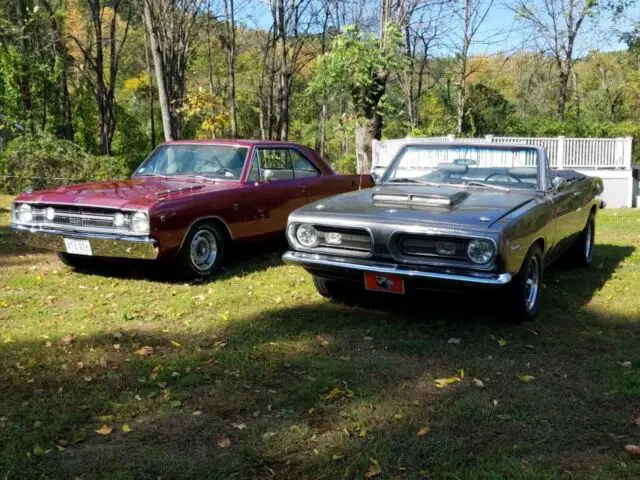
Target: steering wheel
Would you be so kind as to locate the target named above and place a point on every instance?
(500, 174)
(223, 168)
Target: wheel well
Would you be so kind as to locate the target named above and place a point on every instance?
(216, 222)
(540, 243)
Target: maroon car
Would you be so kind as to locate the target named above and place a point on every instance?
(188, 201)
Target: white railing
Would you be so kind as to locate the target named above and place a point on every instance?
(563, 152)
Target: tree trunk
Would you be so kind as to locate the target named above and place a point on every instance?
(231, 62)
(563, 94)
(152, 118)
(367, 130)
(158, 62)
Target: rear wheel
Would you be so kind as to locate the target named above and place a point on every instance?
(202, 252)
(581, 253)
(524, 293)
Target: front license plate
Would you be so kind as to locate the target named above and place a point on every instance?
(380, 282)
(77, 247)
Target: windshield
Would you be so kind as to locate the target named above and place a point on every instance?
(481, 166)
(193, 160)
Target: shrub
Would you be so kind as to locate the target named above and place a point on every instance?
(43, 161)
(346, 165)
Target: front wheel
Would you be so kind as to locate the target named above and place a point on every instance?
(525, 291)
(332, 289)
(78, 262)
(202, 252)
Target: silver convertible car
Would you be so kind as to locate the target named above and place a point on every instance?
(452, 216)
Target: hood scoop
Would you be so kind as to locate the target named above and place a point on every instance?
(178, 190)
(421, 200)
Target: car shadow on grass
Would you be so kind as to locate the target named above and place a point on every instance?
(321, 391)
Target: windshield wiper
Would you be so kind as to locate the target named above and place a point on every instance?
(412, 180)
(201, 177)
(475, 183)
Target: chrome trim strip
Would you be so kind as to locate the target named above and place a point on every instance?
(48, 227)
(200, 219)
(328, 249)
(337, 263)
(80, 205)
(103, 245)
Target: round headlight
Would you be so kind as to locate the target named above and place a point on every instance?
(118, 220)
(50, 214)
(140, 222)
(307, 235)
(480, 251)
(25, 213)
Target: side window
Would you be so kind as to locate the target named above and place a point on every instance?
(301, 166)
(275, 163)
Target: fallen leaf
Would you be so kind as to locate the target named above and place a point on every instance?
(443, 382)
(175, 403)
(268, 435)
(239, 426)
(320, 340)
(527, 378)
(68, 340)
(175, 344)
(423, 430)
(625, 364)
(501, 341)
(126, 428)
(368, 339)
(117, 335)
(635, 449)
(455, 341)
(373, 470)
(196, 413)
(60, 448)
(104, 430)
(224, 442)
(337, 456)
(145, 351)
(38, 451)
(477, 383)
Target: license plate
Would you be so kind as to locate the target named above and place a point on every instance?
(77, 247)
(380, 282)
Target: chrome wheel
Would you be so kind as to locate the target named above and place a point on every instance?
(204, 250)
(588, 244)
(532, 283)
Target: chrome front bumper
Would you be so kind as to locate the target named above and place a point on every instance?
(327, 263)
(102, 244)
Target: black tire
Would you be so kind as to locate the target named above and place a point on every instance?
(332, 289)
(79, 262)
(202, 252)
(524, 293)
(581, 252)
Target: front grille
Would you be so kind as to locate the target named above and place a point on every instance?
(353, 239)
(441, 247)
(77, 218)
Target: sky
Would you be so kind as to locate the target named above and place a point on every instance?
(502, 32)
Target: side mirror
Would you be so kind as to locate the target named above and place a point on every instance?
(267, 175)
(559, 184)
(377, 173)
(375, 176)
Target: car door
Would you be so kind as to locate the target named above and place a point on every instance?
(563, 201)
(273, 190)
(318, 185)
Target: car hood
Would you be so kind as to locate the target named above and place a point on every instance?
(474, 207)
(138, 192)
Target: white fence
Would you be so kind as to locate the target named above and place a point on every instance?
(608, 158)
(563, 152)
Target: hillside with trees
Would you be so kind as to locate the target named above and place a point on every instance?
(116, 77)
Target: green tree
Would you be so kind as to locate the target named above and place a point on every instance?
(361, 64)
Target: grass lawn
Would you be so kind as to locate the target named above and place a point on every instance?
(254, 375)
